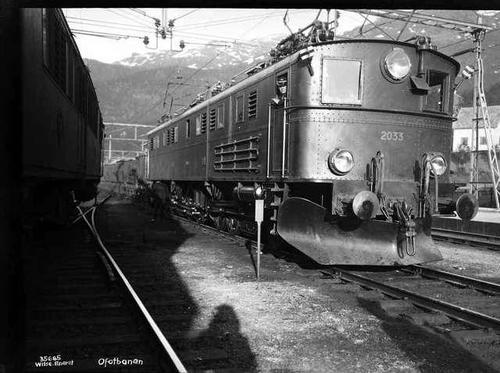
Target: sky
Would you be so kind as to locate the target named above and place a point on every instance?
(122, 30)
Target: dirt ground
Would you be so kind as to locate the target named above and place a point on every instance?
(472, 261)
(293, 319)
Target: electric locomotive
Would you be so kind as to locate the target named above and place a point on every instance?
(348, 142)
(62, 123)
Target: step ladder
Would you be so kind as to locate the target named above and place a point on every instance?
(481, 98)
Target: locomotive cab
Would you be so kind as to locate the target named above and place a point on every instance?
(372, 122)
(350, 139)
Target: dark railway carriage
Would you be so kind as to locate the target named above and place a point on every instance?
(62, 124)
(350, 141)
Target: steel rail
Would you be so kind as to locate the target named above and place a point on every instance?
(478, 238)
(458, 313)
(161, 338)
(462, 314)
(454, 278)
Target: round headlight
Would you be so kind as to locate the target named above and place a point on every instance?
(397, 64)
(340, 161)
(439, 165)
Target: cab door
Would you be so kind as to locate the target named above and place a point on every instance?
(279, 125)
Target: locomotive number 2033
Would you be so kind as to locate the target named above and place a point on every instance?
(391, 136)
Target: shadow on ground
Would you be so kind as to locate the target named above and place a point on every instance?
(433, 352)
(147, 238)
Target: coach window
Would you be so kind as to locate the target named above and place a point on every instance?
(220, 116)
(198, 125)
(188, 128)
(341, 82)
(54, 46)
(435, 99)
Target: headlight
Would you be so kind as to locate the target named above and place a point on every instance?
(397, 64)
(439, 165)
(340, 161)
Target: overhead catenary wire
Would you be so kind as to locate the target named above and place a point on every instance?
(129, 17)
(254, 25)
(219, 22)
(104, 34)
(141, 12)
(184, 15)
(113, 27)
(466, 39)
(103, 21)
(349, 14)
(107, 24)
(197, 71)
(212, 37)
(130, 13)
(157, 103)
(73, 21)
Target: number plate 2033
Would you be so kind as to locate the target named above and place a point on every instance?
(392, 136)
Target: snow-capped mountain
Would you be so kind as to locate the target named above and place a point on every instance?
(142, 87)
(195, 57)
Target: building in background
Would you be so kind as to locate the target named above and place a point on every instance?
(462, 129)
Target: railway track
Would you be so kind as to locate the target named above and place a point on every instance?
(491, 242)
(462, 308)
(462, 299)
(87, 317)
(164, 294)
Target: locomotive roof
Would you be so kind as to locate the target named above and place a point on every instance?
(277, 66)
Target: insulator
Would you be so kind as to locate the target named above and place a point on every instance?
(145, 40)
(182, 44)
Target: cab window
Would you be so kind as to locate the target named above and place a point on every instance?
(436, 96)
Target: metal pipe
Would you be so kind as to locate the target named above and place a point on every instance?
(436, 206)
(268, 142)
(283, 145)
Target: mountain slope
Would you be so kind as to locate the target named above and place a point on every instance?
(133, 89)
